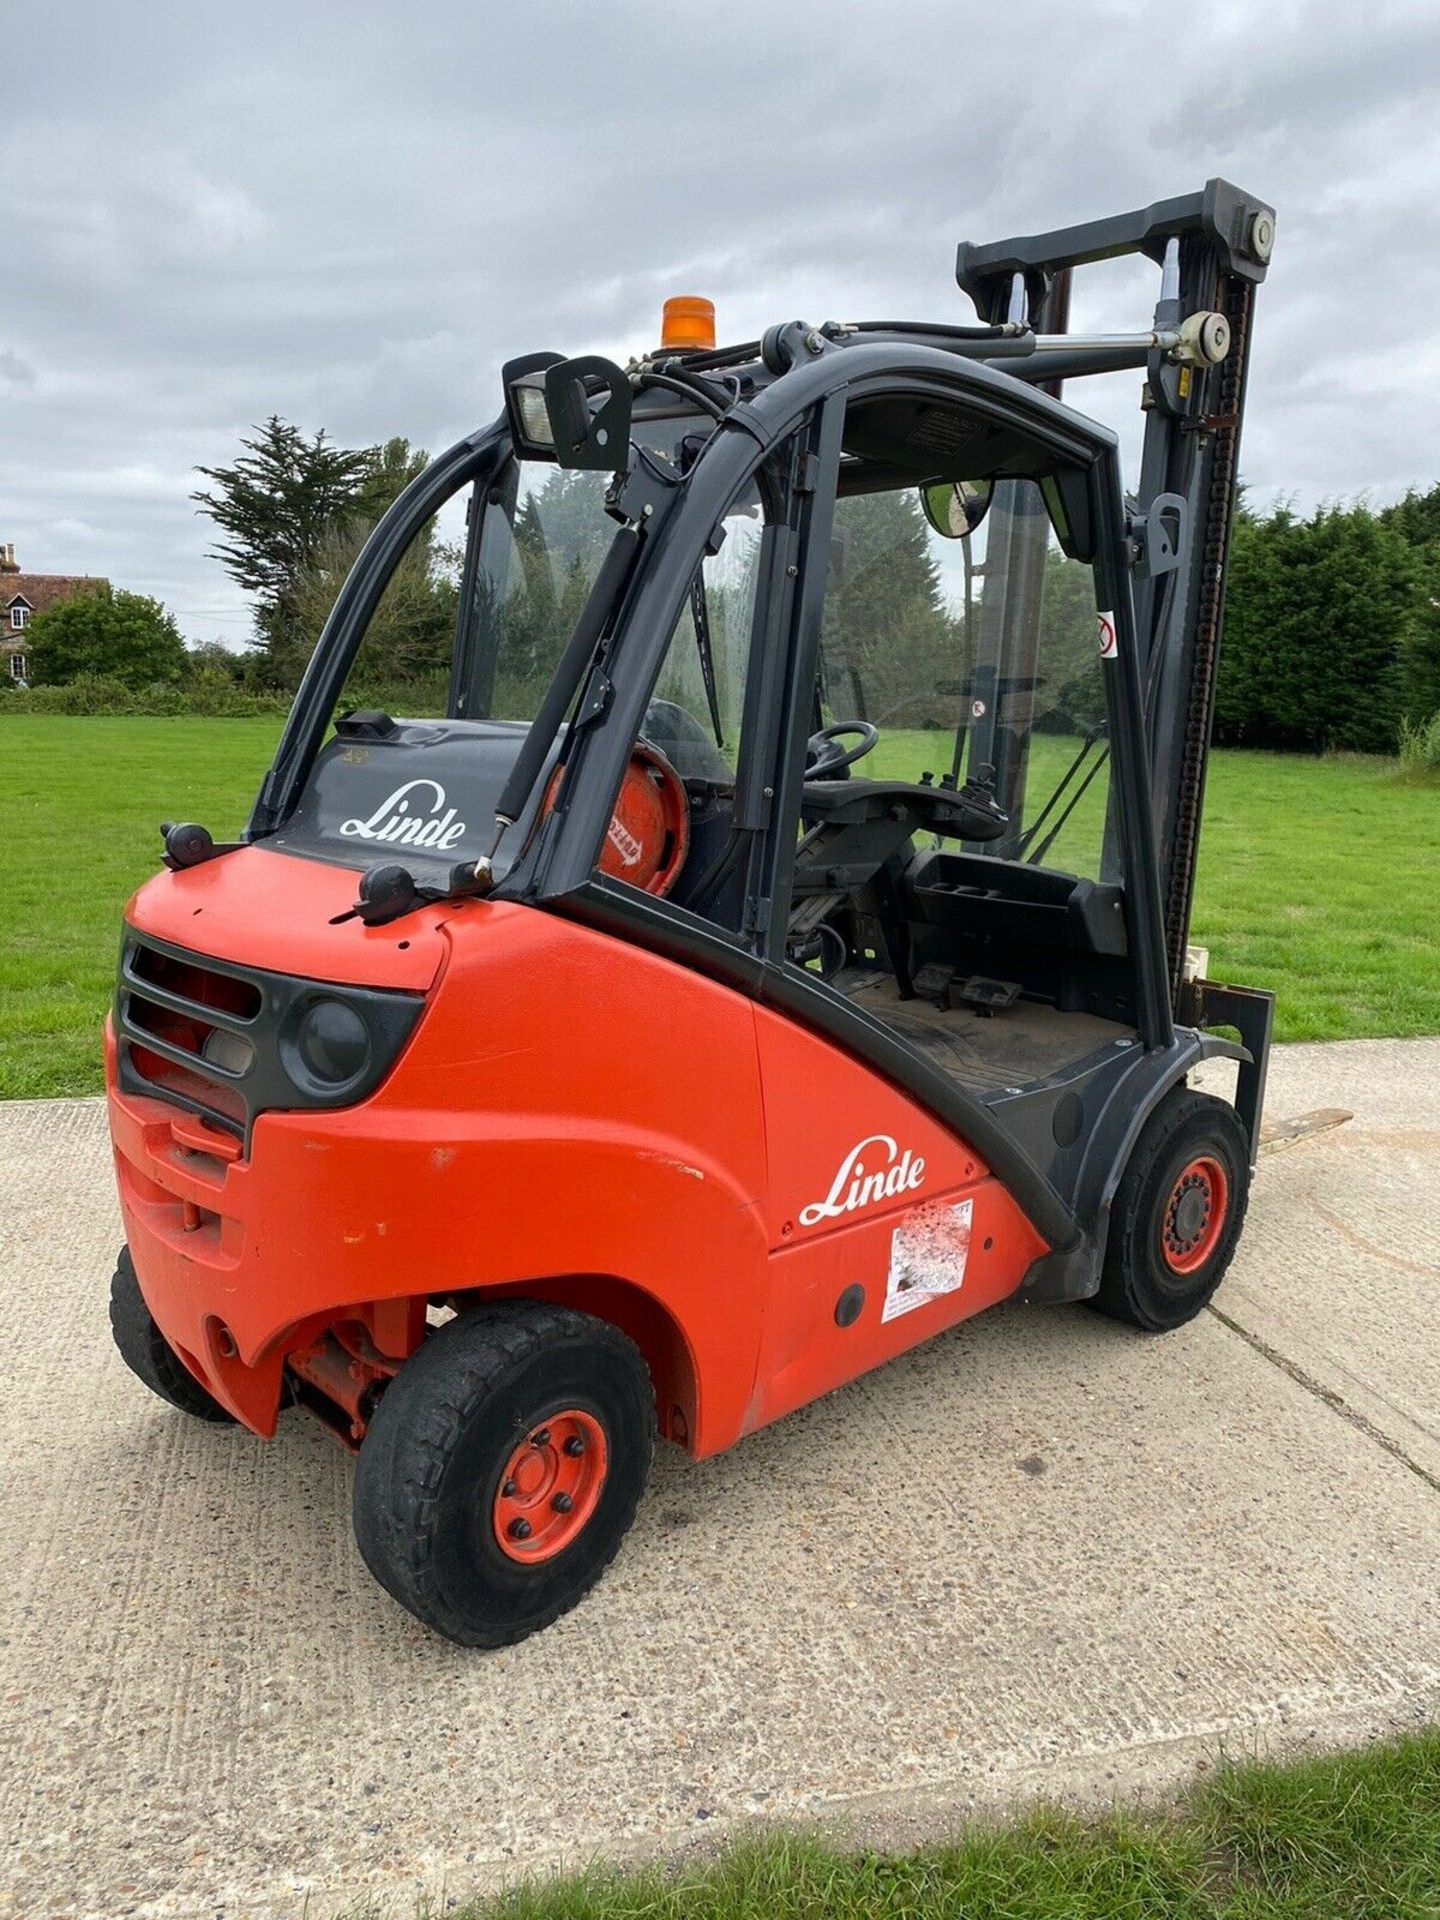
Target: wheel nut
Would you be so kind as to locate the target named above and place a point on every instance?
(509, 1490)
(574, 1446)
(519, 1529)
(540, 1439)
(562, 1503)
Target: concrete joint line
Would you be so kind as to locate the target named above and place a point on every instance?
(1328, 1396)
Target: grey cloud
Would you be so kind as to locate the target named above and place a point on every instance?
(351, 214)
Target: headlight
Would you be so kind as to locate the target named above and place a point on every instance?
(534, 415)
(333, 1043)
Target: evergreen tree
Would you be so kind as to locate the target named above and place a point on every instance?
(1071, 696)
(891, 648)
(1420, 662)
(1319, 616)
(1417, 519)
(293, 512)
(561, 535)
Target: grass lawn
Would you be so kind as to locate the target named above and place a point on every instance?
(86, 797)
(1319, 878)
(1352, 1837)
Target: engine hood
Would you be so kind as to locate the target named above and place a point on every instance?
(261, 908)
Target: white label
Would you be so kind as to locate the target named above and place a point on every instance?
(399, 822)
(1108, 647)
(928, 1254)
(624, 842)
(873, 1170)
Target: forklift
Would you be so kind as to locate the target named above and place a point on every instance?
(775, 951)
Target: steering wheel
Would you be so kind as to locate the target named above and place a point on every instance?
(826, 759)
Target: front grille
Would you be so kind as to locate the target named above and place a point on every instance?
(219, 1039)
(173, 1014)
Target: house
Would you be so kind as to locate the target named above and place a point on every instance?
(23, 595)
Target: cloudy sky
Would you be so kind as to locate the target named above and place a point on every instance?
(350, 214)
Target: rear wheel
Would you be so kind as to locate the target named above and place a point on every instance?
(502, 1469)
(1177, 1214)
(147, 1352)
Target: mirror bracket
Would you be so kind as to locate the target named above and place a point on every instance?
(592, 438)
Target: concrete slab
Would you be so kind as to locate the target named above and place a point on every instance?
(1341, 1267)
(1041, 1554)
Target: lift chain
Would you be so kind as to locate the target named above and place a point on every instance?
(1235, 304)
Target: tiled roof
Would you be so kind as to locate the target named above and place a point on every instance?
(41, 591)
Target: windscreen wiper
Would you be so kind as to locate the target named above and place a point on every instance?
(389, 890)
(700, 615)
(1097, 732)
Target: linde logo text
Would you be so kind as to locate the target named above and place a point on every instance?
(396, 820)
(889, 1172)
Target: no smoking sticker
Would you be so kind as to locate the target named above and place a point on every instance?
(1106, 623)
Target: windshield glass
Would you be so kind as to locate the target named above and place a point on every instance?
(544, 536)
(969, 654)
(542, 539)
(457, 658)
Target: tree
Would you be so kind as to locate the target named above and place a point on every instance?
(214, 658)
(891, 649)
(1319, 616)
(1420, 662)
(561, 535)
(1071, 696)
(125, 636)
(411, 632)
(284, 508)
(392, 466)
(1417, 519)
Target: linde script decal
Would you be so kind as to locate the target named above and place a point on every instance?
(409, 819)
(874, 1170)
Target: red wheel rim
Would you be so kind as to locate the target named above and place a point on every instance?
(550, 1486)
(1194, 1216)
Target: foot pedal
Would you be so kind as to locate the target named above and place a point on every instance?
(986, 996)
(934, 981)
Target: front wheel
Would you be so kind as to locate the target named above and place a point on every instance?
(1177, 1213)
(147, 1352)
(502, 1469)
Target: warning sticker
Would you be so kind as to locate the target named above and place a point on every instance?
(928, 1252)
(1108, 648)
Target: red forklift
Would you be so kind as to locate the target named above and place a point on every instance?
(773, 953)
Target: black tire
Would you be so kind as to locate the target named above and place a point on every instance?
(428, 1479)
(1177, 1214)
(149, 1355)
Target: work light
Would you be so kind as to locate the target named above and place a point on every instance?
(534, 415)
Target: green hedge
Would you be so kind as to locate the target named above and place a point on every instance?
(213, 695)
(1332, 629)
(204, 694)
